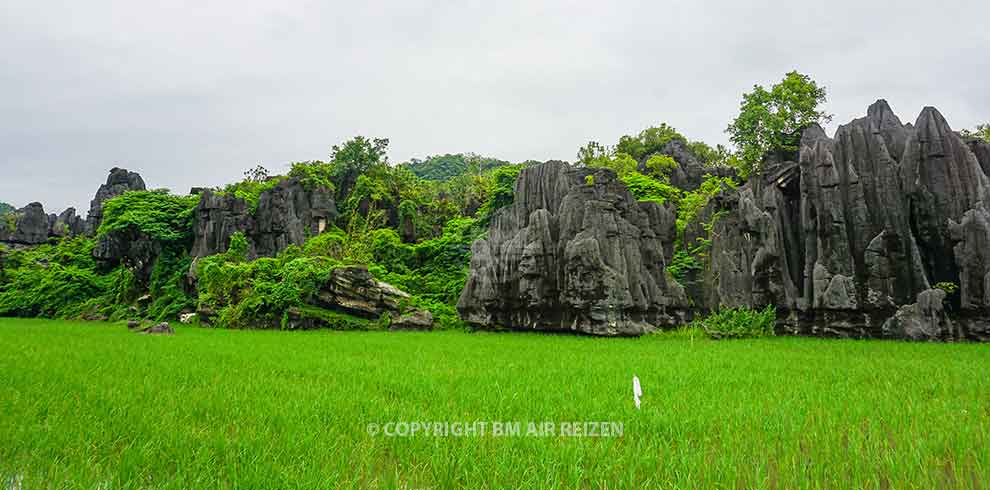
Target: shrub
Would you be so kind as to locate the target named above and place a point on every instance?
(250, 190)
(645, 188)
(60, 281)
(739, 323)
(157, 214)
(694, 201)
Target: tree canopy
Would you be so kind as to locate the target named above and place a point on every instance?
(445, 167)
(772, 120)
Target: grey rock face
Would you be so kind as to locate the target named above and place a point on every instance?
(287, 214)
(980, 149)
(215, 219)
(31, 226)
(863, 224)
(118, 182)
(26, 226)
(66, 224)
(972, 253)
(690, 172)
(574, 252)
(130, 247)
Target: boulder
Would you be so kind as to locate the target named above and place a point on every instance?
(354, 290)
(413, 320)
(574, 252)
(924, 320)
(162, 328)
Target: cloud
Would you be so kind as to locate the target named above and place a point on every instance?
(193, 93)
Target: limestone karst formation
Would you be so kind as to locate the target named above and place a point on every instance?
(574, 252)
(881, 230)
(856, 235)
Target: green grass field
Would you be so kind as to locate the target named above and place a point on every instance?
(91, 405)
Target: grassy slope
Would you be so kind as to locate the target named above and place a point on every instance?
(84, 403)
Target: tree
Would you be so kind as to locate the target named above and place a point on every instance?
(256, 174)
(593, 152)
(772, 120)
(354, 158)
(6, 208)
(982, 132)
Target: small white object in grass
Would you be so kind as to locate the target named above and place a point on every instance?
(637, 391)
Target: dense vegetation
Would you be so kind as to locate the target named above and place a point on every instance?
(6, 208)
(93, 406)
(410, 232)
(444, 167)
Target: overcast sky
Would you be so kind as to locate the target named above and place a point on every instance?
(194, 93)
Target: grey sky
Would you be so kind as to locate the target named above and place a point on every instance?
(195, 92)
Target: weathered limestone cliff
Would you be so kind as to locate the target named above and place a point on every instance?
(31, 226)
(861, 225)
(574, 252)
(287, 214)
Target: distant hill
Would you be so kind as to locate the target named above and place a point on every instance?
(443, 167)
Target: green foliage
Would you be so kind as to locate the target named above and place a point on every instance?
(621, 163)
(591, 154)
(334, 320)
(501, 191)
(660, 165)
(982, 132)
(167, 286)
(693, 202)
(682, 263)
(250, 190)
(57, 281)
(649, 141)
(255, 293)
(434, 270)
(645, 188)
(948, 287)
(355, 157)
(9, 221)
(445, 167)
(313, 174)
(589, 180)
(772, 120)
(157, 214)
(6, 208)
(739, 323)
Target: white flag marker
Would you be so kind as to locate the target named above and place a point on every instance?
(637, 391)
